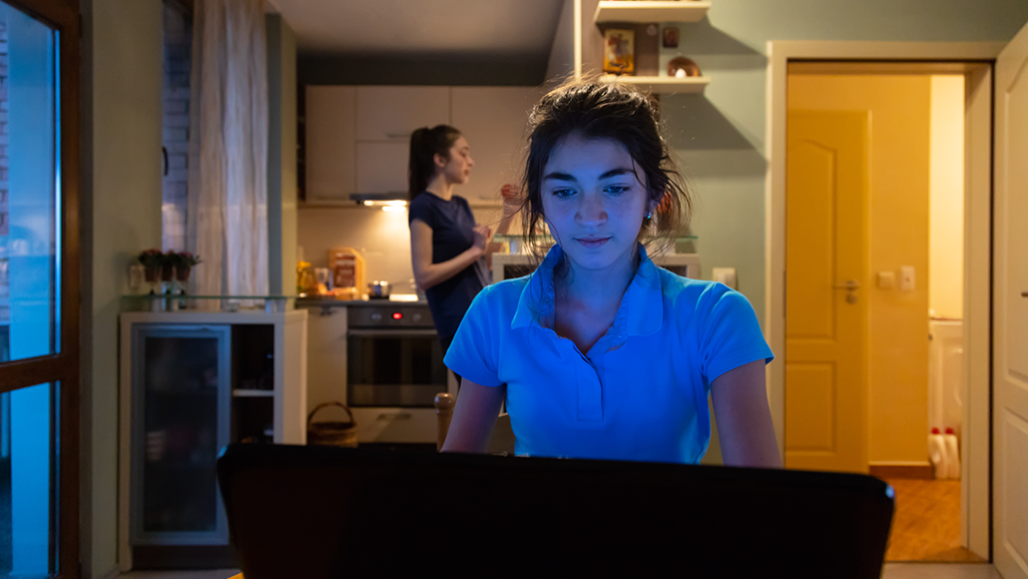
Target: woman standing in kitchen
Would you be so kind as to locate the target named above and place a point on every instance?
(600, 353)
(448, 249)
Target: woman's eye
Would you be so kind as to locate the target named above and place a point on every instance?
(617, 189)
(563, 193)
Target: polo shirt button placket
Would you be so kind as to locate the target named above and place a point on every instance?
(590, 391)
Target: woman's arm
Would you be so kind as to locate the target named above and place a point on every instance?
(428, 274)
(474, 417)
(744, 426)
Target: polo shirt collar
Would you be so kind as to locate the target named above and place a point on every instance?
(641, 311)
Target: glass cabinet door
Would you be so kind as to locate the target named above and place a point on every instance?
(181, 403)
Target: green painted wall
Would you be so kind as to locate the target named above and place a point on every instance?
(282, 181)
(121, 215)
(720, 135)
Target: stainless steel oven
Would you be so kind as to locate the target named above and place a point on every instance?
(394, 372)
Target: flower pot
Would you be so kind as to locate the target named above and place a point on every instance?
(182, 273)
(167, 273)
(152, 273)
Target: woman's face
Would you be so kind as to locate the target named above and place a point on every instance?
(593, 201)
(457, 169)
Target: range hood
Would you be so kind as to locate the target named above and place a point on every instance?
(391, 198)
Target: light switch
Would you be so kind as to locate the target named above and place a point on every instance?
(886, 280)
(906, 281)
(726, 275)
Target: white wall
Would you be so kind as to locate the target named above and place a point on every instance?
(946, 209)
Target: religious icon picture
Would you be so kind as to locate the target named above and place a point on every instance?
(671, 37)
(618, 51)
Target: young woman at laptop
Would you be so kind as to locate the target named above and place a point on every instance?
(600, 353)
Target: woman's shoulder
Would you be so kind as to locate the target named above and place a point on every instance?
(689, 296)
(503, 293)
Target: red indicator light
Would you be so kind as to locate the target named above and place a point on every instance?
(397, 316)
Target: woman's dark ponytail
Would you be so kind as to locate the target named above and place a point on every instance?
(425, 144)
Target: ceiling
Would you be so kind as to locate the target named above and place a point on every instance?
(404, 28)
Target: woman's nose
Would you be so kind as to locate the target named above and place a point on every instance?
(591, 210)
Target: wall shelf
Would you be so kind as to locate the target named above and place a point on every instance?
(663, 84)
(650, 11)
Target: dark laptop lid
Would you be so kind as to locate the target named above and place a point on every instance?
(320, 512)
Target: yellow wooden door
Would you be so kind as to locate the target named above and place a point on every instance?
(1010, 312)
(826, 304)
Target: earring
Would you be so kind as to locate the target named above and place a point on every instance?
(649, 215)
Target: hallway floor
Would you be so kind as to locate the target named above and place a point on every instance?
(926, 526)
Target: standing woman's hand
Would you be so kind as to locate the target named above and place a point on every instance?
(483, 235)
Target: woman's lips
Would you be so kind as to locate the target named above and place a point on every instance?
(592, 242)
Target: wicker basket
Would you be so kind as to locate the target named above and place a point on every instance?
(332, 433)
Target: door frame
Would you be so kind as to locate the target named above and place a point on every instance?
(975, 60)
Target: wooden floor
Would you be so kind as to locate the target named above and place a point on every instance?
(926, 526)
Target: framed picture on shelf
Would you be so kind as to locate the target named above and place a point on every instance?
(671, 37)
(619, 51)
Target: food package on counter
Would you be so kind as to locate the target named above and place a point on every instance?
(347, 266)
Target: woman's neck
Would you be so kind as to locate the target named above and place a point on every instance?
(596, 288)
(440, 187)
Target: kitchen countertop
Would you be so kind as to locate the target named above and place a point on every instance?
(316, 302)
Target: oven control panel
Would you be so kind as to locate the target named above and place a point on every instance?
(390, 316)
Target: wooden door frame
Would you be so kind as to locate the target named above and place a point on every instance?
(62, 367)
(975, 60)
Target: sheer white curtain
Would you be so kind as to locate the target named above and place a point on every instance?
(228, 199)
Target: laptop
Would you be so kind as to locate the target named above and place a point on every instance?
(324, 512)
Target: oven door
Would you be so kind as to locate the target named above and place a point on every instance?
(394, 368)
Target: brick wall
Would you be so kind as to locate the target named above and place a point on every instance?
(178, 40)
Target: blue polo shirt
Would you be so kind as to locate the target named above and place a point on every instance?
(639, 394)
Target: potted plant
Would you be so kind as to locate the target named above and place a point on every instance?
(183, 263)
(153, 262)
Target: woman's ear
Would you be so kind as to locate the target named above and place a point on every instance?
(440, 161)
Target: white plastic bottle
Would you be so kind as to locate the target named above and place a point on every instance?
(953, 450)
(937, 453)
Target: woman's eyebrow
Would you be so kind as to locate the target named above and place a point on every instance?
(606, 175)
(616, 172)
(559, 176)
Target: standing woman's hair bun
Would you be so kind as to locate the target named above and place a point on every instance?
(425, 144)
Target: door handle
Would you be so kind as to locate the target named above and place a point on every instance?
(850, 285)
(1024, 294)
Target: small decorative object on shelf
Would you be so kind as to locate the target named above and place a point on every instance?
(681, 67)
(619, 51)
(670, 37)
(183, 262)
(153, 261)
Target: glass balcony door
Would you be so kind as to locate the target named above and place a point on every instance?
(39, 299)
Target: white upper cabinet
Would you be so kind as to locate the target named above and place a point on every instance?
(330, 142)
(391, 113)
(382, 167)
(493, 119)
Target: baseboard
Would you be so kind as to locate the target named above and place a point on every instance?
(908, 470)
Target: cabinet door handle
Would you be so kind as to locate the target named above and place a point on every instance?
(1024, 294)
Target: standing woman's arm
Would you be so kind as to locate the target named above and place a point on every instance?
(428, 274)
(744, 426)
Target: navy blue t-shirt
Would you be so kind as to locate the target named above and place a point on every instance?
(453, 233)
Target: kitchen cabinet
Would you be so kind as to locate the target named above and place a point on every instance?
(493, 119)
(391, 113)
(358, 137)
(330, 121)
